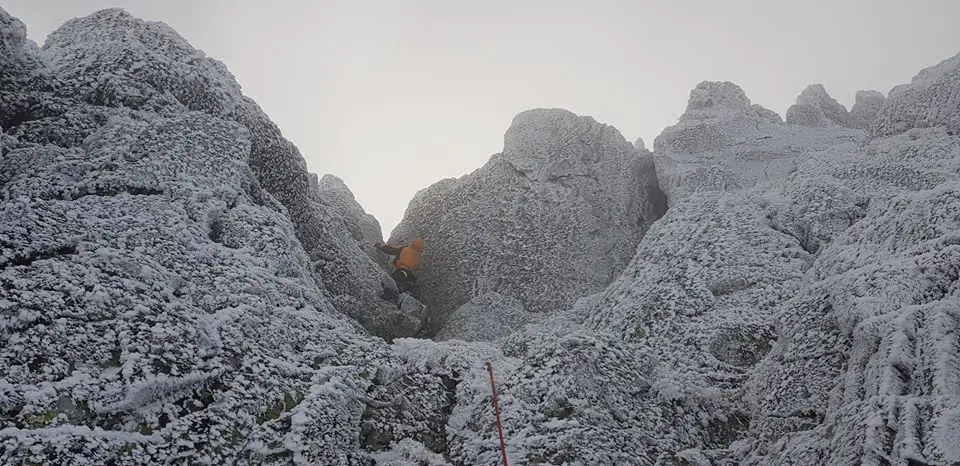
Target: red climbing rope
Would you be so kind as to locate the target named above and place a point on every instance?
(496, 409)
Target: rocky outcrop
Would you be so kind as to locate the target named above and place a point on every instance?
(930, 100)
(723, 143)
(815, 107)
(363, 228)
(157, 298)
(760, 315)
(111, 59)
(867, 340)
(866, 108)
(639, 145)
(553, 217)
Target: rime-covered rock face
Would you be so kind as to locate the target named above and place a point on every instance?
(868, 346)
(815, 96)
(671, 342)
(157, 300)
(723, 143)
(930, 100)
(554, 217)
(866, 108)
(111, 59)
(803, 316)
(362, 227)
(174, 286)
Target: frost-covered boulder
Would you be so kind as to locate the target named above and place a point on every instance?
(488, 317)
(931, 99)
(866, 108)
(554, 217)
(713, 98)
(766, 114)
(724, 143)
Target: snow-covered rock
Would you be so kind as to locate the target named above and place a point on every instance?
(363, 227)
(157, 300)
(157, 304)
(574, 397)
(488, 317)
(931, 99)
(413, 398)
(111, 59)
(754, 309)
(766, 114)
(176, 287)
(639, 145)
(867, 341)
(866, 108)
(723, 143)
(806, 115)
(816, 97)
(554, 217)
(711, 99)
(409, 452)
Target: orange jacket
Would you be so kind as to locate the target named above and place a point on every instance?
(408, 257)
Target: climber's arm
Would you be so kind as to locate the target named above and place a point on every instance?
(389, 248)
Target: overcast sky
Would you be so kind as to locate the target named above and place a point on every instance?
(394, 95)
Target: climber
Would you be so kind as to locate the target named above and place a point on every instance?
(405, 264)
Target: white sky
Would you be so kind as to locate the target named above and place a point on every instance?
(394, 95)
